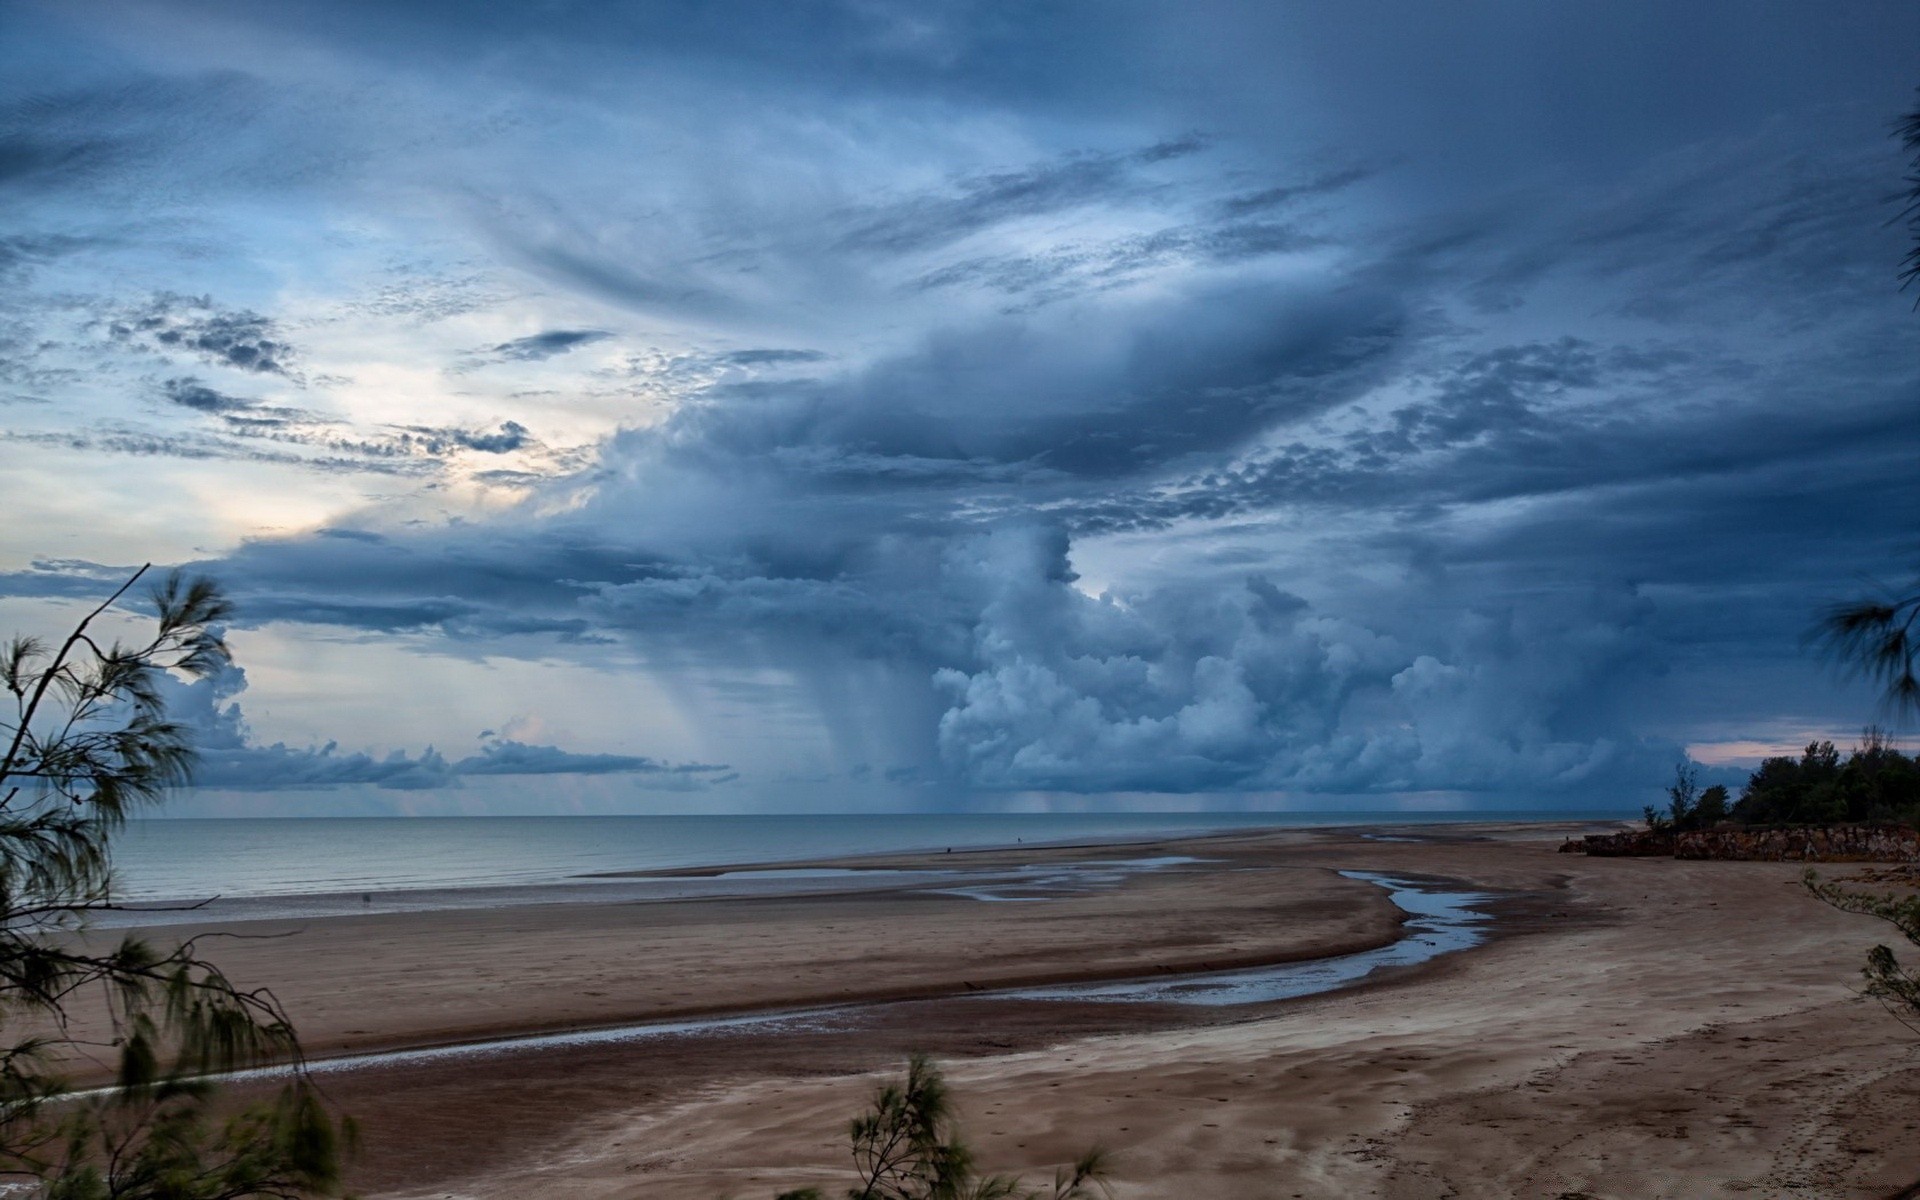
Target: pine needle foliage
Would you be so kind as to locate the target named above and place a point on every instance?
(1907, 129)
(88, 742)
(1880, 637)
(907, 1148)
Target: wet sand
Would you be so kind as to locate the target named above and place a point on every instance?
(1634, 1028)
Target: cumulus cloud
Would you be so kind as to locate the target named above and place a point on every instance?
(1030, 684)
(1248, 688)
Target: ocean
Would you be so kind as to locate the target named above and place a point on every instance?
(182, 858)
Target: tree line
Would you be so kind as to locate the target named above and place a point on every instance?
(1874, 783)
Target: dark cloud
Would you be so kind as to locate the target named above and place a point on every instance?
(311, 439)
(404, 449)
(1163, 381)
(920, 222)
(242, 340)
(772, 358)
(1077, 270)
(501, 584)
(510, 436)
(511, 479)
(359, 457)
(437, 442)
(277, 767)
(545, 345)
(598, 270)
(1496, 393)
(67, 578)
(21, 252)
(22, 157)
(518, 758)
(1285, 195)
(189, 392)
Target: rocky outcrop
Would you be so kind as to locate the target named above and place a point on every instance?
(1812, 843)
(1631, 843)
(1806, 843)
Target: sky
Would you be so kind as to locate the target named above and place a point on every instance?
(872, 406)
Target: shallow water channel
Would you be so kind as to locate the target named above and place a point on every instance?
(1440, 922)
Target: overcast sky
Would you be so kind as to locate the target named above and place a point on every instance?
(866, 405)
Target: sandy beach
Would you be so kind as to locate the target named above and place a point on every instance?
(1631, 1028)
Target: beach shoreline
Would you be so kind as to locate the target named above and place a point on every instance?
(173, 861)
(429, 976)
(765, 877)
(1380, 1087)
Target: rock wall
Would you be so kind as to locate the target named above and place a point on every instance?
(1831, 843)
(1632, 843)
(1808, 843)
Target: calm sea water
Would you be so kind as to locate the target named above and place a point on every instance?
(183, 858)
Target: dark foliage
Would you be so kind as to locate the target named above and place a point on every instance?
(88, 743)
(1688, 807)
(1711, 808)
(1876, 782)
(1878, 637)
(906, 1148)
(1907, 129)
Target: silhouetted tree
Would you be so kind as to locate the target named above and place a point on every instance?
(1876, 782)
(906, 1148)
(1687, 806)
(1712, 807)
(89, 742)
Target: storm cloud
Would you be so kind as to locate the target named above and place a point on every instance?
(951, 407)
